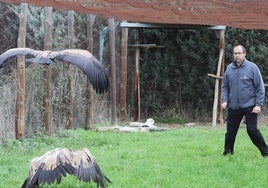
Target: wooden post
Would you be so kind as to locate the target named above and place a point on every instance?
(20, 103)
(136, 74)
(137, 79)
(48, 46)
(217, 95)
(222, 46)
(69, 124)
(123, 86)
(89, 91)
(113, 71)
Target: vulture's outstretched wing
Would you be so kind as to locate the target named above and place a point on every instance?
(59, 162)
(87, 168)
(49, 168)
(80, 58)
(90, 66)
(18, 51)
(38, 56)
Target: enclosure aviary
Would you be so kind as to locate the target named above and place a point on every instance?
(80, 58)
(50, 167)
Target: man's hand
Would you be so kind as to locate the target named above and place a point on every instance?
(256, 109)
(224, 105)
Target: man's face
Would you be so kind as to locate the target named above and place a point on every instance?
(239, 55)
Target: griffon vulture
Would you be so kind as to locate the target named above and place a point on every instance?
(80, 58)
(54, 164)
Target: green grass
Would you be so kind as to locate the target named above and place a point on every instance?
(185, 157)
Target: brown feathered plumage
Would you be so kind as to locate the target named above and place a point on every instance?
(50, 167)
(80, 58)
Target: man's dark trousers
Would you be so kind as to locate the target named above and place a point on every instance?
(233, 121)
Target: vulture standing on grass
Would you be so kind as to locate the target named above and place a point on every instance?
(59, 162)
(80, 58)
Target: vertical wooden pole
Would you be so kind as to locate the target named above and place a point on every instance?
(89, 91)
(20, 103)
(69, 124)
(123, 86)
(113, 71)
(137, 79)
(48, 46)
(216, 104)
(222, 46)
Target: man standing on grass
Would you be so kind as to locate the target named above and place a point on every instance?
(243, 93)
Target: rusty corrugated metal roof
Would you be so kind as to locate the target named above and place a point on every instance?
(244, 14)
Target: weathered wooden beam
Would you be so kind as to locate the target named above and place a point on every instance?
(113, 68)
(48, 46)
(70, 118)
(20, 102)
(214, 76)
(136, 73)
(123, 86)
(222, 68)
(89, 91)
(216, 92)
(217, 111)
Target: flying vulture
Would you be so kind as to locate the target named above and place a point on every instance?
(50, 167)
(80, 58)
